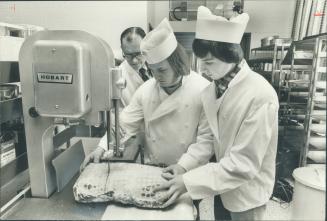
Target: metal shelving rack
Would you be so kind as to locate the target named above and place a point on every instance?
(315, 103)
(297, 71)
(14, 166)
(304, 81)
(267, 60)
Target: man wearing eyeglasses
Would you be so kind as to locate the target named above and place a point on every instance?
(134, 68)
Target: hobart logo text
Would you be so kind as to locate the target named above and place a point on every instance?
(62, 78)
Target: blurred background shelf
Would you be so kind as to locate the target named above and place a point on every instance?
(297, 71)
(11, 109)
(14, 165)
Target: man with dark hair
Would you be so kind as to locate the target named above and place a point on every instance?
(134, 68)
(242, 111)
(224, 51)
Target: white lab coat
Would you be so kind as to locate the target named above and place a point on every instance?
(244, 122)
(133, 80)
(176, 130)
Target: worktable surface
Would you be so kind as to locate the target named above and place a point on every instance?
(59, 206)
(62, 205)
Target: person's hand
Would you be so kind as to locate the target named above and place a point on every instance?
(94, 156)
(173, 189)
(172, 171)
(126, 139)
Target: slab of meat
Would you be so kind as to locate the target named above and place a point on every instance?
(127, 183)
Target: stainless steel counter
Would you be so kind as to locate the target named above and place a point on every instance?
(60, 206)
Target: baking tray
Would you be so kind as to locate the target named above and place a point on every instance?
(319, 115)
(298, 83)
(317, 156)
(318, 128)
(318, 142)
(321, 84)
(320, 105)
(304, 94)
(319, 99)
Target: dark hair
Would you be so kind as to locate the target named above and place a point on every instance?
(227, 52)
(132, 30)
(179, 61)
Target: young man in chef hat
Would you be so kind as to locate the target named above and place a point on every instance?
(242, 111)
(169, 107)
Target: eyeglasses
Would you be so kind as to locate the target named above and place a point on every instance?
(137, 55)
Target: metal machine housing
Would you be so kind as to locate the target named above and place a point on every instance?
(89, 60)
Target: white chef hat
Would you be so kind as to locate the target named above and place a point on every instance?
(217, 28)
(159, 44)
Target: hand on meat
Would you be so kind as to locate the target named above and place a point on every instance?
(172, 171)
(173, 189)
(94, 156)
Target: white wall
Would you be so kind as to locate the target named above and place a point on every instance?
(267, 17)
(106, 19)
(160, 11)
(151, 12)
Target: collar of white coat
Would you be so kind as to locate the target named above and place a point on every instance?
(210, 90)
(210, 102)
(244, 70)
(211, 105)
(184, 79)
(130, 69)
(127, 67)
(169, 104)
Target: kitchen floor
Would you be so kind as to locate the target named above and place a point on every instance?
(275, 210)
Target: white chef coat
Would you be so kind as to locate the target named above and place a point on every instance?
(176, 130)
(244, 122)
(133, 80)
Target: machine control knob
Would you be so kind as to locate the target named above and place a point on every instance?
(33, 113)
(118, 83)
(121, 83)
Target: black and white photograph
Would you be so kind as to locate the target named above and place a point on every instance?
(163, 110)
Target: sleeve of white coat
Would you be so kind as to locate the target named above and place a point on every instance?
(201, 151)
(244, 160)
(132, 116)
(103, 142)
